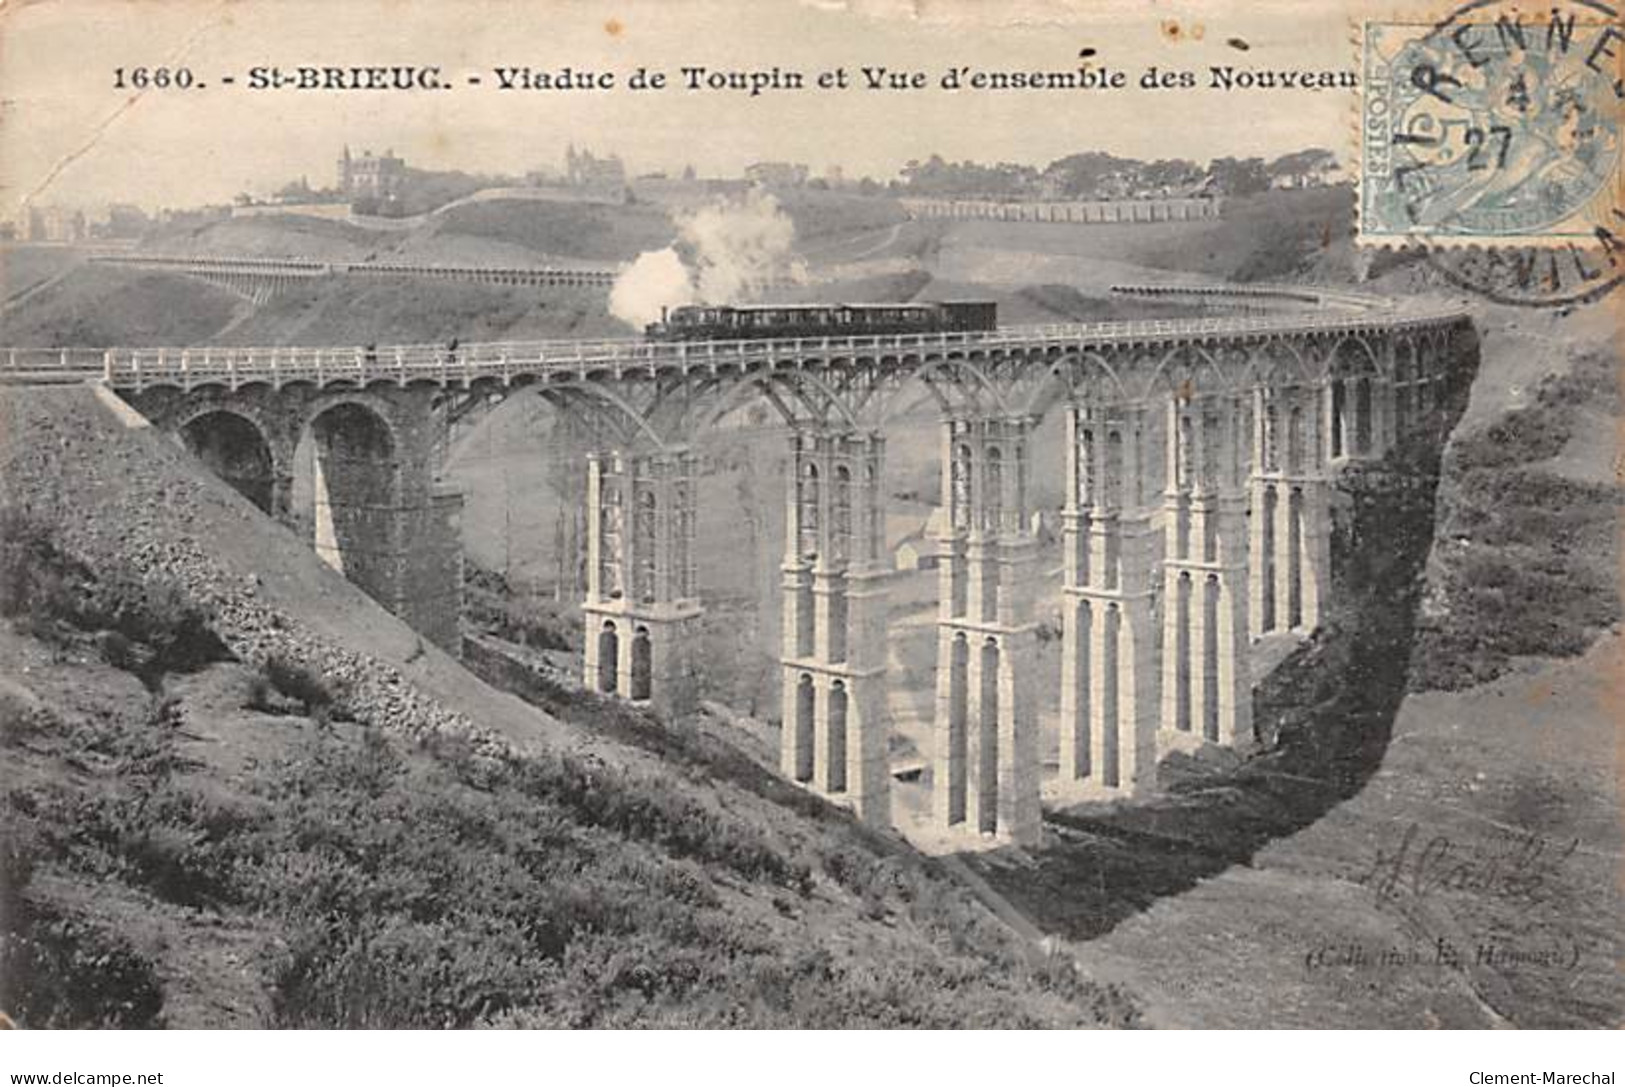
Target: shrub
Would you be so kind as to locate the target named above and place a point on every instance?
(61, 972)
(317, 698)
(148, 626)
(20, 720)
(39, 585)
(157, 615)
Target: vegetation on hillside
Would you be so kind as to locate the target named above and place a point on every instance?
(304, 237)
(102, 306)
(393, 884)
(579, 231)
(363, 310)
(1273, 235)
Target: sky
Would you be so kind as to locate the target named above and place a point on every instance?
(69, 136)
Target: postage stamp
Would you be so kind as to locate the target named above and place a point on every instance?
(1492, 127)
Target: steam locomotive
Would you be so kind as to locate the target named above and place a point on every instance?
(820, 320)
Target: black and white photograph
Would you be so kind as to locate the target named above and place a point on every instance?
(812, 514)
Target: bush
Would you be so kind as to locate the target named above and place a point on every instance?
(146, 626)
(20, 720)
(39, 586)
(156, 615)
(59, 972)
(279, 676)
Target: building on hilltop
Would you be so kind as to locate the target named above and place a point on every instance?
(380, 177)
(777, 175)
(584, 170)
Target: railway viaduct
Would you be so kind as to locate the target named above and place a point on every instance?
(1200, 458)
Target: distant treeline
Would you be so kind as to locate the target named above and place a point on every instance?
(1097, 175)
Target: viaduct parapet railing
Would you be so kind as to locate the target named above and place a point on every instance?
(261, 278)
(504, 362)
(1154, 210)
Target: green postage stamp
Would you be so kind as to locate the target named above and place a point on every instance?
(1494, 125)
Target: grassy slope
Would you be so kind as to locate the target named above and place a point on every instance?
(289, 236)
(98, 306)
(1272, 235)
(568, 231)
(255, 866)
(417, 311)
(1532, 753)
(23, 267)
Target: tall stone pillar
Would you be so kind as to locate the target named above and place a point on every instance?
(1123, 680)
(1084, 438)
(641, 607)
(1227, 669)
(1109, 679)
(1264, 467)
(381, 518)
(835, 728)
(986, 759)
(1184, 515)
(1206, 693)
(1292, 512)
(951, 750)
(1384, 423)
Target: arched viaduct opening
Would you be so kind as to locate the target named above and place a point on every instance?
(353, 483)
(234, 448)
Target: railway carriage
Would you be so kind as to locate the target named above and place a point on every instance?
(814, 321)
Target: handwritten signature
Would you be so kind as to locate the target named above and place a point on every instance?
(1520, 869)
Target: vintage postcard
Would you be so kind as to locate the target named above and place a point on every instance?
(811, 514)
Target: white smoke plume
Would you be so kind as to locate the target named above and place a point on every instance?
(726, 252)
(656, 279)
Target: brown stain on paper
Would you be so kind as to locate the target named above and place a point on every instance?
(1173, 31)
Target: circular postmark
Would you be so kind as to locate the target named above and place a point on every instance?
(1493, 139)
(1537, 277)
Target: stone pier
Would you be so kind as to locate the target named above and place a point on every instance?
(641, 607)
(1291, 518)
(1109, 679)
(835, 725)
(985, 768)
(1205, 676)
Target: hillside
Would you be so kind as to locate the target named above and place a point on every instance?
(104, 306)
(296, 237)
(560, 231)
(383, 311)
(238, 793)
(26, 268)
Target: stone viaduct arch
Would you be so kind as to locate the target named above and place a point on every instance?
(378, 514)
(235, 449)
(1199, 460)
